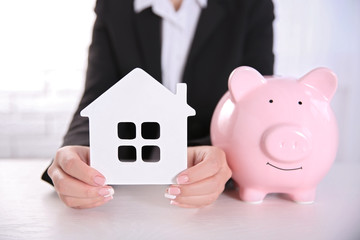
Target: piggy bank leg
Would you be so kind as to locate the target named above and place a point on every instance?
(251, 195)
(303, 196)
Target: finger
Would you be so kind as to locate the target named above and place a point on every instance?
(84, 202)
(214, 185)
(207, 186)
(82, 151)
(207, 163)
(195, 201)
(69, 186)
(74, 165)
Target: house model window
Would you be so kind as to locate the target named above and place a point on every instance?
(149, 152)
(138, 131)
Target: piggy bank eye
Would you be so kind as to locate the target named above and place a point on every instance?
(300, 102)
(271, 101)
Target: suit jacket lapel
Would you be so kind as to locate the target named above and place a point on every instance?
(148, 30)
(209, 20)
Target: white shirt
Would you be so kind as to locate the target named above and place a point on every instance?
(178, 30)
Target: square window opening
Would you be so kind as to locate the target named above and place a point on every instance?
(127, 153)
(150, 153)
(126, 130)
(150, 130)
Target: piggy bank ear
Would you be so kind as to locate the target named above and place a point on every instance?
(322, 79)
(242, 80)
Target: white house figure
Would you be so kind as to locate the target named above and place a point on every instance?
(136, 116)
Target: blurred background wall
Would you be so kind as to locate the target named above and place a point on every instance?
(43, 51)
(43, 54)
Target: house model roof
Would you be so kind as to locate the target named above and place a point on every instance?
(136, 90)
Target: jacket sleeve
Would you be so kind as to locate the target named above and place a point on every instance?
(101, 74)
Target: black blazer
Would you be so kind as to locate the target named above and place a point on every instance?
(230, 33)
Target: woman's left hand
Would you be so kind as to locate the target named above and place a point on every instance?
(203, 181)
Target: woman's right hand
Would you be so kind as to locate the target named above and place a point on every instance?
(77, 184)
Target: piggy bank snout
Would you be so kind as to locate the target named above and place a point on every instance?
(286, 143)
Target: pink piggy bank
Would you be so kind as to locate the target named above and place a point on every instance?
(279, 134)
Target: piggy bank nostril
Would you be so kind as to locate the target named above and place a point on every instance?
(295, 145)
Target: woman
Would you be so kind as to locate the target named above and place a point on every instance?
(198, 42)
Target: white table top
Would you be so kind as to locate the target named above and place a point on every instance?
(30, 209)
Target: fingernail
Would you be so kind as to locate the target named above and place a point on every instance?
(182, 179)
(169, 196)
(174, 190)
(106, 192)
(172, 202)
(99, 180)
